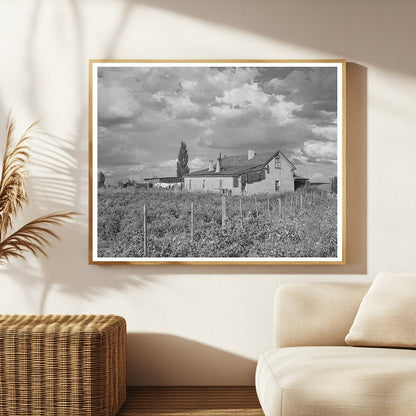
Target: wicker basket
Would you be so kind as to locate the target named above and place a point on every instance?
(72, 365)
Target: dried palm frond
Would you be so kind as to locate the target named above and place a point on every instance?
(32, 237)
(12, 183)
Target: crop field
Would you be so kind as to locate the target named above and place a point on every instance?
(182, 224)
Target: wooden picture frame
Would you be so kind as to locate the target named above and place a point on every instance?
(217, 162)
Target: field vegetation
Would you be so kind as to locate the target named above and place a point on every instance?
(298, 224)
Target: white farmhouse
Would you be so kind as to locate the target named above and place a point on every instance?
(251, 173)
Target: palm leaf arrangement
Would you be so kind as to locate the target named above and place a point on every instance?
(34, 236)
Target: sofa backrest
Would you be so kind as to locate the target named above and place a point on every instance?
(315, 313)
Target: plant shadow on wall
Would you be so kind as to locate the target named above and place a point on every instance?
(311, 24)
(58, 178)
(33, 236)
(52, 185)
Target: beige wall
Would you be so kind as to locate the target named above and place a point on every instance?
(204, 325)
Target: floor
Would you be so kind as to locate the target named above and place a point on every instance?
(195, 401)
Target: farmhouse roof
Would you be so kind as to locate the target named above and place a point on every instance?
(238, 164)
(300, 177)
(166, 179)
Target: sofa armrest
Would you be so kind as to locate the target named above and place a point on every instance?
(309, 314)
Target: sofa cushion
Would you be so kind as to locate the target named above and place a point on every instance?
(387, 314)
(315, 314)
(342, 381)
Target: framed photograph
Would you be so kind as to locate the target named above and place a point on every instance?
(217, 162)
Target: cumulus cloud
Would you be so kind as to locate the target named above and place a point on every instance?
(320, 151)
(247, 95)
(284, 111)
(116, 104)
(168, 164)
(328, 132)
(198, 163)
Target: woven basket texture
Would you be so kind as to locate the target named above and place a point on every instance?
(56, 365)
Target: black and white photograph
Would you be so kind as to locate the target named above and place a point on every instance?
(217, 162)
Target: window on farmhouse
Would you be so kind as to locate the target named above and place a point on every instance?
(190, 184)
(235, 182)
(203, 183)
(277, 186)
(277, 163)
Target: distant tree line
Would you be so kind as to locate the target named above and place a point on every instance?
(133, 184)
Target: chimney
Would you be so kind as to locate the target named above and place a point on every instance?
(251, 154)
(218, 167)
(210, 165)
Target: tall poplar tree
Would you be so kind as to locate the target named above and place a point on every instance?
(182, 163)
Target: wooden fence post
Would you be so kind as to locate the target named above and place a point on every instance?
(192, 221)
(301, 201)
(144, 231)
(280, 205)
(268, 205)
(241, 212)
(223, 210)
(255, 205)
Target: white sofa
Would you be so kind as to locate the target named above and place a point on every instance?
(311, 371)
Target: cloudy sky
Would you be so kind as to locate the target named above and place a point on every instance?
(145, 112)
